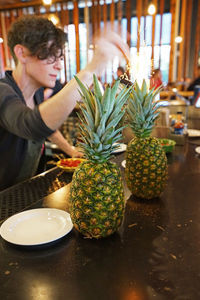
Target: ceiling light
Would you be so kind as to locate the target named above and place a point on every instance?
(54, 19)
(151, 9)
(1, 40)
(178, 39)
(47, 2)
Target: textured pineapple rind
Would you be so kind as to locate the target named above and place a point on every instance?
(146, 167)
(97, 199)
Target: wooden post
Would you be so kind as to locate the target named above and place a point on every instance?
(174, 8)
(98, 10)
(138, 13)
(2, 57)
(62, 16)
(105, 15)
(86, 21)
(181, 51)
(119, 16)
(68, 50)
(5, 44)
(63, 23)
(93, 17)
(13, 15)
(145, 14)
(197, 43)
(128, 16)
(112, 14)
(76, 24)
(162, 4)
(153, 35)
(187, 34)
(36, 9)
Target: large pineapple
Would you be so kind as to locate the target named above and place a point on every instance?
(96, 195)
(146, 162)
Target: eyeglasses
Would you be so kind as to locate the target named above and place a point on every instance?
(53, 59)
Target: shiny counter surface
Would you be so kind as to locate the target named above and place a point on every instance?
(155, 254)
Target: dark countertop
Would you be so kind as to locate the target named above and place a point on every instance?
(155, 254)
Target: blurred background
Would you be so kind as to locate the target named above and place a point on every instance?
(162, 34)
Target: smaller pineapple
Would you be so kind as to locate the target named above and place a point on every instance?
(146, 162)
(96, 195)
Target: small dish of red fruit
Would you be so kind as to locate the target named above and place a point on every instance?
(69, 164)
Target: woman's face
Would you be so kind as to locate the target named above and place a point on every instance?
(43, 73)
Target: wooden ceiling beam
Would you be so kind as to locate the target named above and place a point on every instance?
(27, 4)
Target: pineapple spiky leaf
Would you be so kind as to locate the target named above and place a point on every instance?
(142, 109)
(97, 90)
(100, 117)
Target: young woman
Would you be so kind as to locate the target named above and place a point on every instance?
(25, 119)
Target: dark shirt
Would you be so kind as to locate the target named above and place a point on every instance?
(18, 125)
(58, 86)
(193, 84)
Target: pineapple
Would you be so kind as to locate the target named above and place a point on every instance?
(96, 193)
(146, 162)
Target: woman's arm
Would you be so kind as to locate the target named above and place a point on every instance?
(58, 139)
(56, 110)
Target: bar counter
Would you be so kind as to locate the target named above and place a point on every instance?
(155, 254)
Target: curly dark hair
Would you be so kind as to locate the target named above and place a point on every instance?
(39, 35)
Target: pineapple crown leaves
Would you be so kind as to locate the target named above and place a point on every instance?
(99, 117)
(142, 109)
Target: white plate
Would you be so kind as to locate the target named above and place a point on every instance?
(193, 132)
(197, 149)
(122, 148)
(124, 163)
(36, 226)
